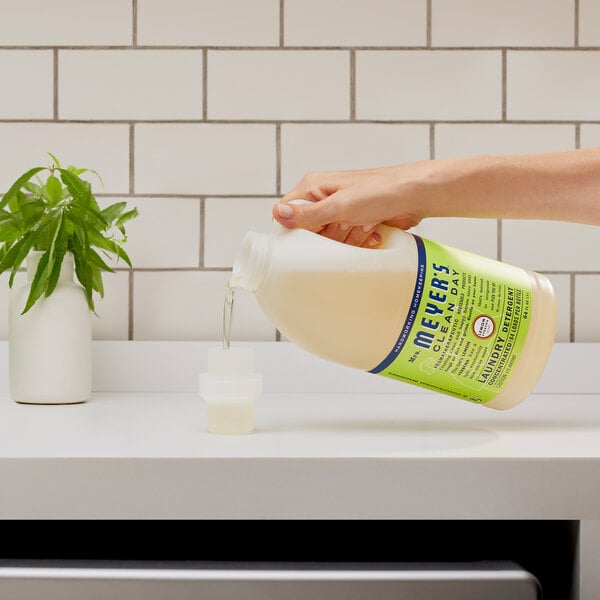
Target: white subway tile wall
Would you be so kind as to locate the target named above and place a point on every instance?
(554, 85)
(29, 97)
(590, 136)
(447, 85)
(469, 139)
(130, 84)
(355, 23)
(273, 84)
(230, 219)
(202, 114)
(66, 23)
(562, 291)
(551, 245)
(334, 147)
(589, 23)
(587, 324)
(503, 23)
(100, 146)
(205, 158)
(166, 235)
(188, 305)
(208, 23)
(111, 321)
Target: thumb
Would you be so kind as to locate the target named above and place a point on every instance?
(305, 214)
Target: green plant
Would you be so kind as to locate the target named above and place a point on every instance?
(58, 216)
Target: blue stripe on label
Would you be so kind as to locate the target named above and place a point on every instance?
(412, 313)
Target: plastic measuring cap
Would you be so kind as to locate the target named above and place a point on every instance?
(230, 388)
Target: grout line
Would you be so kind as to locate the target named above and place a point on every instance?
(131, 159)
(130, 311)
(576, 32)
(429, 23)
(499, 239)
(304, 121)
(278, 159)
(202, 236)
(504, 91)
(316, 48)
(204, 84)
(431, 141)
(353, 85)
(134, 18)
(281, 23)
(572, 308)
(55, 84)
(577, 136)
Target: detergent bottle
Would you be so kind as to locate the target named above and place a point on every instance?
(412, 309)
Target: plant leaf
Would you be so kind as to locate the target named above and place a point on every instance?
(121, 253)
(9, 258)
(83, 271)
(60, 249)
(31, 209)
(97, 280)
(54, 159)
(39, 283)
(78, 225)
(53, 190)
(97, 239)
(18, 184)
(127, 216)
(33, 188)
(112, 212)
(96, 259)
(25, 245)
(81, 191)
(55, 235)
(9, 232)
(79, 188)
(77, 171)
(13, 203)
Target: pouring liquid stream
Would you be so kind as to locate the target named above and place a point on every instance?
(228, 314)
(229, 415)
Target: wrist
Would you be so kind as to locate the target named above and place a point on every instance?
(453, 187)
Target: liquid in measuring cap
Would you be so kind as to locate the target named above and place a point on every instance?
(230, 388)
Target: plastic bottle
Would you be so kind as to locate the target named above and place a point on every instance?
(412, 309)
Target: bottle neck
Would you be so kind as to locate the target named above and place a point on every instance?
(252, 261)
(66, 269)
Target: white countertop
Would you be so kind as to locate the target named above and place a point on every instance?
(407, 455)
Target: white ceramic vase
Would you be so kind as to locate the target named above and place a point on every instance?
(50, 346)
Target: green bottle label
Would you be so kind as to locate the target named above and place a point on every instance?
(466, 325)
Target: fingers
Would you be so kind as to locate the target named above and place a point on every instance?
(314, 186)
(365, 237)
(313, 217)
(319, 217)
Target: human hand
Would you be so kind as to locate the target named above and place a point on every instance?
(348, 205)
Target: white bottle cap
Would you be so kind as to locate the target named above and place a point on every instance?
(230, 388)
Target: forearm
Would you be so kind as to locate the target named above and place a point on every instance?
(562, 186)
